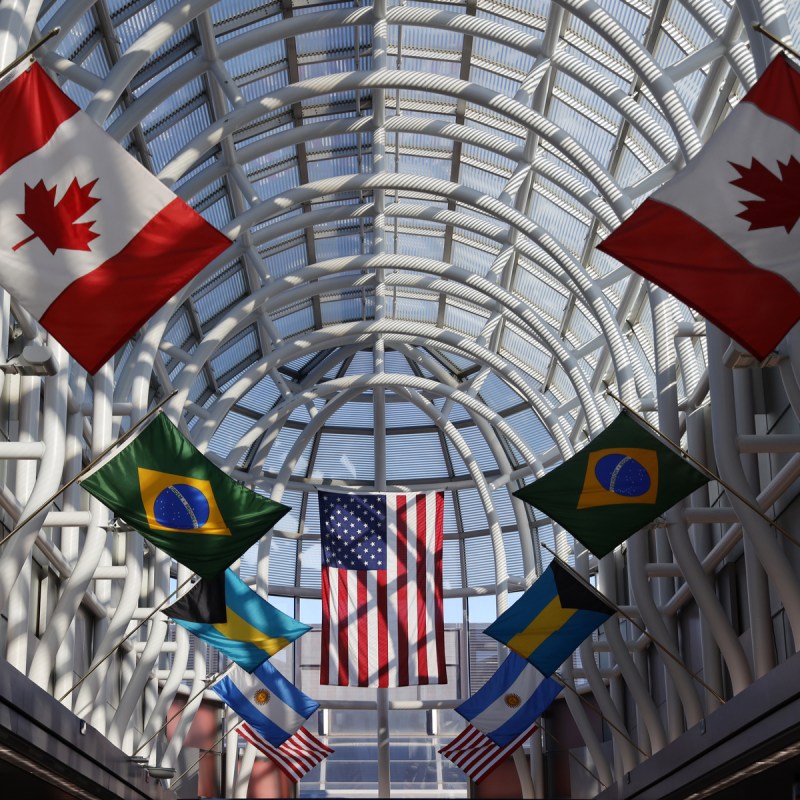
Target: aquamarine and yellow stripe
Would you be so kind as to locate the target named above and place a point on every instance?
(255, 629)
(550, 620)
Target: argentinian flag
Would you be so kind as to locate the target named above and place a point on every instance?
(272, 705)
(510, 701)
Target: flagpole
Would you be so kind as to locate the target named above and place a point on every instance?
(598, 711)
(704, 469)
(29, 52)
(757, 26)
(633, 622)
(571, 754)
(205, 753)
(124, 639)
(89, 466)
(194, 697)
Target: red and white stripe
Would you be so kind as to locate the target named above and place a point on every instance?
(688, 236)
(385, 628)
(299, 754)
(477, 755)
(149, 243)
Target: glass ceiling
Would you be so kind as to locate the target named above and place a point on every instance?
(416, 190)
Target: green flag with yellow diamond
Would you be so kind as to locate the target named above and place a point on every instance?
(618, 483)
(162, 485)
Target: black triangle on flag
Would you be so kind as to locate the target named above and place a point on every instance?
(203, 603)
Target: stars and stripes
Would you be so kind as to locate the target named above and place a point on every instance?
(477, 755)
(297, 756)
(382, 621)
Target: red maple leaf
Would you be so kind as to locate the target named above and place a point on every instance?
(54, 223)
(780, 203)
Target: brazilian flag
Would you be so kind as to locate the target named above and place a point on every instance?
(162, 485)
(621, 481)
(551, 619)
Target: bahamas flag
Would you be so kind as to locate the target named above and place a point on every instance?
(551, 619)
(621, 481)
(253, 630)
(162, 485)
(510, 701)
(269, 703)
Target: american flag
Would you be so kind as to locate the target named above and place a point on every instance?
(477, 755)
(382, 619)
(298, 755)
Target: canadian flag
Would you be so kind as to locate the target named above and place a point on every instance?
(91, 243)
(722, 235)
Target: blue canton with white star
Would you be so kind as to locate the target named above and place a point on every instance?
(353, 528)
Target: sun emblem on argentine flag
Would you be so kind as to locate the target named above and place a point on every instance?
(512, 700)
(261, 697)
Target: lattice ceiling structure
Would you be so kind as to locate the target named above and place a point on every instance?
(413, 298)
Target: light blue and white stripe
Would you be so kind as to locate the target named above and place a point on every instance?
(272, 705)
(510, 701)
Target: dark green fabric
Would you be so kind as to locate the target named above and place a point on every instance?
(203, 518)
(603, 526)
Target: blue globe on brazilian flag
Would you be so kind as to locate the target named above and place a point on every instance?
(618, 483)
(162, 485)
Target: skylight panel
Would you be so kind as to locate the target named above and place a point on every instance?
(330, 40)
(288, 325)
(166, 144)
(524, 351)
(344, 457)
(219, 213)
(286, 261)
(270, 80)
(261, 397)
(353, 415)
(276, 183)
(478, 448)
(472, 258)
(567, 228)
(229, 432)
(282, 559)
(473, 518)
(405, 416)
(343, 309)
(413, 309)
(504, 79)
(226, 292)
(320, 168)
(348, 244)
(310, 564)
(179, 330)
(464, 320)
(425, 245)
(239, 352)
(226, 11)
(497, 394)
(484, 180)
(479, 554)
(414, 454)
(451, 565)
(511, 541)
(532, 431)
(281, 447)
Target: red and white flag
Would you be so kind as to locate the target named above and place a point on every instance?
(382, 617)
(91, 244)
(722, 235)
(299, 754)
(477, 755)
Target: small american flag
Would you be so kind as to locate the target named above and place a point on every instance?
(477, 755)
(382, 619)
(299, 754)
